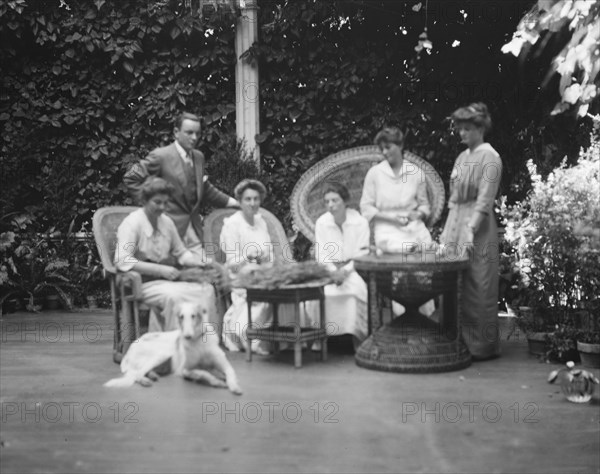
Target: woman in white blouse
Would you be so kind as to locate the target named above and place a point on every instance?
(148, 243)
(245, 238)
(395, 198)
(342, 234)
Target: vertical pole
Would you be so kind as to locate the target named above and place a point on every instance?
(249, 327)
(246, 78)
(323, 326)
(372, 299)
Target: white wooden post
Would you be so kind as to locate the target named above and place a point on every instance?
(246, 77)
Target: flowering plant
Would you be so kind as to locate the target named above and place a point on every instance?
(562, 343)
(561, 266)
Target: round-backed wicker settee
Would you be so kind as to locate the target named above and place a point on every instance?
(350, 167)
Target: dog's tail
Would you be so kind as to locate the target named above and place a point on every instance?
(126, 380)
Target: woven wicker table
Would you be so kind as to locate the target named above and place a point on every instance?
(413, 342)
(296, 293)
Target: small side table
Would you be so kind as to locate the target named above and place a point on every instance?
(296, 293)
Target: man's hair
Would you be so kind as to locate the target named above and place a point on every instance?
(185, 116)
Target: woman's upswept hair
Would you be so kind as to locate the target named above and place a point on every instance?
(477, 113)
(389, 135)
(153, 186)
(250, 184)
(338, 188)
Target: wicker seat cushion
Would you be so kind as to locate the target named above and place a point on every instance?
(350, 167)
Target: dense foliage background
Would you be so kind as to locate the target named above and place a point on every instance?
(90, 86)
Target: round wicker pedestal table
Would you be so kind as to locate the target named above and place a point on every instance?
(413, 342)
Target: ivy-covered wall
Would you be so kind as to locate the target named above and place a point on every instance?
(90, 86)
(333, 73)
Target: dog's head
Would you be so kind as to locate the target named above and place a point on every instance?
(192, 319)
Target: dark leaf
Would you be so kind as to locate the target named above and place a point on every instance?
(260, 138)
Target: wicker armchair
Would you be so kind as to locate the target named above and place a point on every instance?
(350, 168)
(125, 288)
(212, 232)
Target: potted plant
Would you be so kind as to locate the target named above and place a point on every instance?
(89, 275)
(588, 340)
(532, 321)
(588, 346)
(531, 317)
(562, 343)
(31, 269)
(52, 301)
(559, 265)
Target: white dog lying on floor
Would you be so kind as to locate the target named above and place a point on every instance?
(193, 350)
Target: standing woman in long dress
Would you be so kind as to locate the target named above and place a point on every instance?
(471, 226)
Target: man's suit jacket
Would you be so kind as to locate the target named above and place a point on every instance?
(184, 205)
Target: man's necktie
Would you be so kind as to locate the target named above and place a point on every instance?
(189, 163)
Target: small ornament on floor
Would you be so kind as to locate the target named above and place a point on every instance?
(576, 384)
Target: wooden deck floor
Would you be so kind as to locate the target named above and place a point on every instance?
(498, 416)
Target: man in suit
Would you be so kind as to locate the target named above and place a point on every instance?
(182, 166)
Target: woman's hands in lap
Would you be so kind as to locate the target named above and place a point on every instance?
(415, 215)
(169, 273)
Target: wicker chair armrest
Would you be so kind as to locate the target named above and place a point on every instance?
(108, 273)
(131, 283)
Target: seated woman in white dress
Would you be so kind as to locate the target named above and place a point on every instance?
(148, 243)
(395, 198)
(342, 234)
(245, 239)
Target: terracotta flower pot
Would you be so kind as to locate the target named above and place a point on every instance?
(590, 354)
(11, 305)
(537, 343)
(92, 302)
(52, 302)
